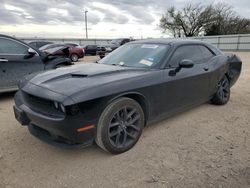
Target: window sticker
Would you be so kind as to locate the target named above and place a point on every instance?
(152, 46)
(146, 62)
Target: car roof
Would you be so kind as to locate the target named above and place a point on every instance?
(40, 42)
(170, 41)
(68, 43)
(10, 37)
(178, 42)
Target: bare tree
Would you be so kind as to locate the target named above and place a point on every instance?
(196, 19)
(190, 21)
(227, 21)
(168, 23)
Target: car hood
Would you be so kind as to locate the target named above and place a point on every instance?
(89, 78)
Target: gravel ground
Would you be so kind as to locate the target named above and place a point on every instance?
(208, 146)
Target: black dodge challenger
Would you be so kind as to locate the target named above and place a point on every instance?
(111, 101)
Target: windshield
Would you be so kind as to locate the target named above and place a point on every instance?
(137, 55)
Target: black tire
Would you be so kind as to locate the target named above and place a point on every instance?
(222, 95)
(120, 126)
(74, 57)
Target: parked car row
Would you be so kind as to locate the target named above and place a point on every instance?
(75, 52)
(114, 44)
(18, 59)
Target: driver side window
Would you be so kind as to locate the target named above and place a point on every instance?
(190, 52)
(10, 47)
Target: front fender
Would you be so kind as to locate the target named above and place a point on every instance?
(53, 63)
(130, 95)
(138, 97)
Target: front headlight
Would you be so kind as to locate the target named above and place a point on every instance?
(56, 105)
(62, 108)
(71, 110)
(59, 106)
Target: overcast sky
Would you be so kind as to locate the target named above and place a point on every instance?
(106, 18)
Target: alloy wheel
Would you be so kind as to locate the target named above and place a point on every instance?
(124, 127)
(223, 89)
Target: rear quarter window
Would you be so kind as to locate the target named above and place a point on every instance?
(206, 53)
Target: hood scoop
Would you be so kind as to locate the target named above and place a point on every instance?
(79, 75)
(66, 76)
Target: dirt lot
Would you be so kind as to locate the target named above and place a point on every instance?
(208, 146)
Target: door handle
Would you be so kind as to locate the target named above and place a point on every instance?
(4, 60)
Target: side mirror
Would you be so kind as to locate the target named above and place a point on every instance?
(31, 53)
(186, 63)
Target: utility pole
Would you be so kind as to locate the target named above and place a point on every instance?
(86, 23)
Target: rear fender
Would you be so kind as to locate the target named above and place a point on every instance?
(234, 68)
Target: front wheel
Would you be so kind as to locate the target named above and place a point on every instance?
(120, 126)
(74, 57)
(222, 95)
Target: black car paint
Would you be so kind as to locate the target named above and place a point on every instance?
(90, 49)
(93, 86)
(14, 67)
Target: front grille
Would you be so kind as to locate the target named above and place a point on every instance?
(41, 105)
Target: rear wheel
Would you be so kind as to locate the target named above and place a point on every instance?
(120, 126)
(74, 57)
(222, 95)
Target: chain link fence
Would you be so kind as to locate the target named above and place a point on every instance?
(224, 42)
(229, 42)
